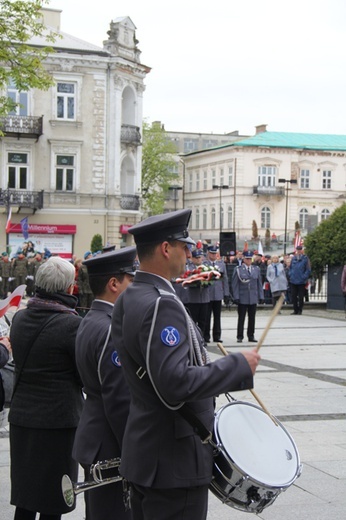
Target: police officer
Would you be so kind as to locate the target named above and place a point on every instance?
(165, 365)
(197, 297)
(247, 292)
(218, 291)
(100, 431)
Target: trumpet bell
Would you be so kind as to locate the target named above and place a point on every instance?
(68, 490)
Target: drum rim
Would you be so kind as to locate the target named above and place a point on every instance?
(284, 486)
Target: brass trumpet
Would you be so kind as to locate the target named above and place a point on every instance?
(70, 489)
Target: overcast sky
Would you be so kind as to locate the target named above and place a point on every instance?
(225, 65)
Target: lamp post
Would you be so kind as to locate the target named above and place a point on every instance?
(175, 189)
(287, 182)
(220, 187)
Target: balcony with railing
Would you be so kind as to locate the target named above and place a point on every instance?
(26, 126)
(277, 191)
(130, 135)
(22, 199)
(130, 202)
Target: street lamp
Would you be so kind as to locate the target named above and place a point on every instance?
(220, 187)
(287, 181)
(175, 189)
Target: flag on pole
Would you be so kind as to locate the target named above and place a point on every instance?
(8, 223)
(260, 248)
(297, 240)
(24, 223)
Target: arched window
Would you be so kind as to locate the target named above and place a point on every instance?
(265, 218)
(303, 218)
(221, 217)
(197, 218)
(213, 218)
(325, 213)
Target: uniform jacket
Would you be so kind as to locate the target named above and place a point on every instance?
(299, 270)
(247, 288)
(196, 294)
(49, 391)
(100, 431)
(160, 448)
(276, 276)
(220, 288)
(5, 269)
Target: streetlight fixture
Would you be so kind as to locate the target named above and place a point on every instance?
(287, 181)
(220, 187)
(175, 189)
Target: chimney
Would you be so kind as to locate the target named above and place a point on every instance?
(51, 18)
(260, 129)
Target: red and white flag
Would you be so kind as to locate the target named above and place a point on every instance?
(298, 240)
(8, 223)
(260, 248)
(13, 300)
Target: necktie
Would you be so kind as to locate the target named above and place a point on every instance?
(249, 269)
(276, 270)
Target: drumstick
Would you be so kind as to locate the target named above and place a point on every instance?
(260, 402)
(271, 319)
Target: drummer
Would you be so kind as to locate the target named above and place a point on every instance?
(165, 364)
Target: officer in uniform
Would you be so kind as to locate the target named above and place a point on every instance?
(165, 365)
(247, 292)
(218, 291)
(100, 431)
(197, 298)
(5, 274)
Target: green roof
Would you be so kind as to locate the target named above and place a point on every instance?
(295, 140)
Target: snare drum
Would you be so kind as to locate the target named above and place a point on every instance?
(255, 460)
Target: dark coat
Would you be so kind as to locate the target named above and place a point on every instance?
(101, 428)
(160, 448)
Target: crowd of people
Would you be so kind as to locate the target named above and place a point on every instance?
(114, 367)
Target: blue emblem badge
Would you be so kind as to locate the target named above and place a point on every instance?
(115, 359)
(170, 336)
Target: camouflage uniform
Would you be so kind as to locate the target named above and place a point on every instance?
(20, 270)
(5, 274)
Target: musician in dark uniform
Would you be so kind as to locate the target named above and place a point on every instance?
(165, 365)
(101, 427)
(247, 293)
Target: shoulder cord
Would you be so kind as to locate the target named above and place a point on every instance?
(242, 280)
(102, 353)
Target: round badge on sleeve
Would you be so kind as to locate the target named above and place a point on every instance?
(170, 336)
(115, 359)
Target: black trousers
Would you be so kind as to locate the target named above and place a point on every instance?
(250, 310)
(198, 312)
(297, 295)
(214, 309)
(169, 504)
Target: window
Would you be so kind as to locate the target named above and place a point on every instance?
(17, 170)
(221, 177)
(303, 218)
(197, 218)
(213, 218)
(230, 176)
(205, 218)
(221, 217)
(20, 98)
(265, 218)
(326, 179)
(190, 181)
(197, 182)
(229, 218)
(66, 100)
(213, 177)
(190, 145)
(305, 179)
(65, 172)
(209, 143)
(205, 179)
(266, 176)
(325, 213)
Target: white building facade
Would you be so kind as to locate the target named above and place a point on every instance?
(70, 157)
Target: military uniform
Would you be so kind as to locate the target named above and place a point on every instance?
(197, 301)
(5, 274)
(20, 270)
(162, 456)
(247, 292)
(218, 291)
(101, 428)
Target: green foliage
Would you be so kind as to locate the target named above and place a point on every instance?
(157, 161)
(326, 245)
(20, 62)
(96, 243)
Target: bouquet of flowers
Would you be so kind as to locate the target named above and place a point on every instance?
(202, 276)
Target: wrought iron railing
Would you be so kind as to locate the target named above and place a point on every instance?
(28, 125)
(22, 199)
(269, 190)
(131, 202)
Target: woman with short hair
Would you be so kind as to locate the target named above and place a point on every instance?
(47, 400)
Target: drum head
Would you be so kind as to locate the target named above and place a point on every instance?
(258, 447)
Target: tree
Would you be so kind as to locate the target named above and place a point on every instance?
(96, 243)
(21, 63)
(157, 163)
(326, 245)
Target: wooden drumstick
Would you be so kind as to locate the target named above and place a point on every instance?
(276, 310)
(260, 402)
